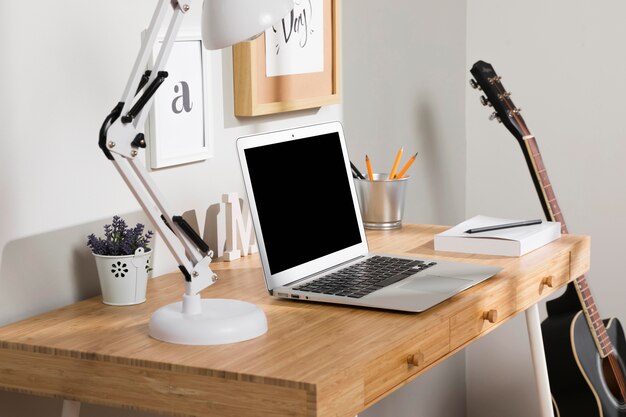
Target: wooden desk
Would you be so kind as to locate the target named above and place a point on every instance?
(315, 360)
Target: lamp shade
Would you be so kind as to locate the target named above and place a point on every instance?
(227, 22)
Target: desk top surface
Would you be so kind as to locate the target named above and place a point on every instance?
(308, 345)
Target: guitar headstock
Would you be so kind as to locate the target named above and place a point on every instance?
(495, 95)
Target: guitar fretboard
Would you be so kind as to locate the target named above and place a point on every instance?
(590, 309)
(593, 317)
(546, 186)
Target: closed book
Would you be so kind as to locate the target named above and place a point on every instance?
(515, 241)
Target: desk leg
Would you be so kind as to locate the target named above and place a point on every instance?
(70, 408)
(539, 361)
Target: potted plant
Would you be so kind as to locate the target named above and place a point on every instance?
(124, 262)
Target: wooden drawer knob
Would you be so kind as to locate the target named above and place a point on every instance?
(547, 281)
(416, 359)
(491, 316)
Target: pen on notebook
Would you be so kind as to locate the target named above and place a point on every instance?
(406, 166)
(503, 226)
(395, 163)
(356, 171)
(368, 164)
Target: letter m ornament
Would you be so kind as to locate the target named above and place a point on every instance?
(240, 238)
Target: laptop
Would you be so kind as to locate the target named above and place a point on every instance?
(311, 237)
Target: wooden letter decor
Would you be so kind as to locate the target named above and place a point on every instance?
(240, 237)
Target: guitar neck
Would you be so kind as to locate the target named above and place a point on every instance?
(542, 182)
(578, 294)
(553, 213)
(596, 325)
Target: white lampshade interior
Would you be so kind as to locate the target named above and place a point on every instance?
(227, 22)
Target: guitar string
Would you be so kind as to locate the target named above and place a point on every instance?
(615, 367)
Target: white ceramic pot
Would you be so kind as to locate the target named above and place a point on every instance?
(123, 279)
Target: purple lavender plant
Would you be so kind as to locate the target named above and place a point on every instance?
(119, 239)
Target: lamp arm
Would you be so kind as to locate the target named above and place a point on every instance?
(122, 134)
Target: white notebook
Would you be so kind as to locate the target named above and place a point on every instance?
(515, 241)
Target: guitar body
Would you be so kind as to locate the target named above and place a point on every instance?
(579, 387)
(584, 354)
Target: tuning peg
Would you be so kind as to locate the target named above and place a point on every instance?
(504, 95)
(514, 111)
(495, 79)
(485, 101)
(474, 84)
(495, 116)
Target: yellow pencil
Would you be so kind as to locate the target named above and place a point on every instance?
(406, 166)
(395, 164)
(370, 173)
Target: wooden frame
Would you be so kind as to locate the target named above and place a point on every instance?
(256, 94)
(165, 147)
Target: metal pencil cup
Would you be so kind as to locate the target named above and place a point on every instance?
(381, 201)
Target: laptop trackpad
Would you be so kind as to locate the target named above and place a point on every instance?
(436, 284)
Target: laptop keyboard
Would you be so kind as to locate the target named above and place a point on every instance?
(365, 277)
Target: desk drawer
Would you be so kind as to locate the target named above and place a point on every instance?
(483, 312)
(532, 288)
(393, 368)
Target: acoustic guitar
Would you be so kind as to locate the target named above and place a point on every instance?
(584, 353)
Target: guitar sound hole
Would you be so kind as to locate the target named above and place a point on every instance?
(610, 378)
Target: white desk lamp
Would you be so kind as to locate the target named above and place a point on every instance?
(194, 321)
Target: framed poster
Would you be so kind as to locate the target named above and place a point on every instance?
(180, 128)
(294, 65)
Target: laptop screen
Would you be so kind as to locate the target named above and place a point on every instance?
(303, 199)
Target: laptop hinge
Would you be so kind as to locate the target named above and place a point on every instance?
(323, 271)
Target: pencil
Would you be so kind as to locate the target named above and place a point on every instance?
(406, 166)
(370, 173)
(504, 226)
(395, 163)
(356, 171)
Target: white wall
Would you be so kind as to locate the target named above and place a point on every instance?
(404, 84)
(562, 61)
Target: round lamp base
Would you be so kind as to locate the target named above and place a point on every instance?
(215, 322)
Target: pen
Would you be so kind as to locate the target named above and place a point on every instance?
(356, 171)
(395, 163)
(503, 226)
(370, 173)
(406, 166)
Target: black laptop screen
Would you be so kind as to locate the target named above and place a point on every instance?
(303, 199)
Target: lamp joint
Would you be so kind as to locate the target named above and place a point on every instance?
(139, 141)
(108, 121)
